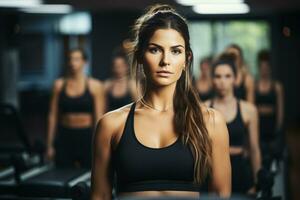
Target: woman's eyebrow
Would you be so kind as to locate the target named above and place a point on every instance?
(175, 46)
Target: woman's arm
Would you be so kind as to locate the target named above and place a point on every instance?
(250, 88)
(52, 118)
(255, 155)
(99, 99)
(221, 167)
(107, 85)
(279, 106)
(101, 187)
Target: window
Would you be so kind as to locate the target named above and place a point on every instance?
(211, 38)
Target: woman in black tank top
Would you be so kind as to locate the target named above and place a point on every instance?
(244, 82)
(204, 82)
(76, 104)
(166, 143)
(119, 88)
(269, 100)
(241, 118)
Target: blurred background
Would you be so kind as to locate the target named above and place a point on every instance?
(36, 36)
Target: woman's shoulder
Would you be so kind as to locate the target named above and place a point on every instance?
(207, 103)
(107, 84)
(113, 122)
(248, 110)
(58, 84)
(95, 85)
(249, 80)
(95, 82)
(247, 107)
(211, 115)
(214, 121)
(278, 85)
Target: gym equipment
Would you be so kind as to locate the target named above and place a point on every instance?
(22, 169)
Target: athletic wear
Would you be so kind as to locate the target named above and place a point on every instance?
(240, 91)
(242, 178)
(237, 129)
(78, 104)
(267, 128)
(73, 145)
(206, 95)
(117, 102)
(141, 168)
(267, 122)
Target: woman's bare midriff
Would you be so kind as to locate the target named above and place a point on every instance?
(265, 110)
(78, 120)
(236, 150)
(161, 194)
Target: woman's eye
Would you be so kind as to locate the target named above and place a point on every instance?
(153, 50)
(176, 51)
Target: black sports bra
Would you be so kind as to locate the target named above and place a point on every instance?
(204, 96)
(141, 168)
(266, 99)
(236, 128)
(114, 102)
(79, 104)
(240, 91)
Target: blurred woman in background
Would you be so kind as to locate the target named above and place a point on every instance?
(120, 90)
(204, 82)
(269, 99)
(244, 87)
(242, 122)
(76, 104)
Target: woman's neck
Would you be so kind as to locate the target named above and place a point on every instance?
(77, 76)
(120, 78)
(204, 77)
(160, 98)
(226, 99)
(265, 78)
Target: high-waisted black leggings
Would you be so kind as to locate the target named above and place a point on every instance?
(73, 147)
(242, 176)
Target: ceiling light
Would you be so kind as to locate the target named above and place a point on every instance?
(197, 2)
(49, 9)
(221, 8)
(19, 3)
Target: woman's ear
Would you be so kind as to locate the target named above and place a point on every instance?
(189, 56)
(189, 59)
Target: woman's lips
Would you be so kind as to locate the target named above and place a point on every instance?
(164, 73)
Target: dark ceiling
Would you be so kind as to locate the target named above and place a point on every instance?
(256, 6)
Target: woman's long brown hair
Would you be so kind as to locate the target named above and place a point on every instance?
(189, 121)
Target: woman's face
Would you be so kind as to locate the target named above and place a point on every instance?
(76, 61)
(120, 67)
(164, 57)
(223, 79)
(264, 68)
(205, 67)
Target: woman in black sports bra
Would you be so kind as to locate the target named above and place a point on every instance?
(77, 103)
(204, 82)
(269, 99)
(242, 123)
(166, 143)
(119, 89)
(244, 82)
